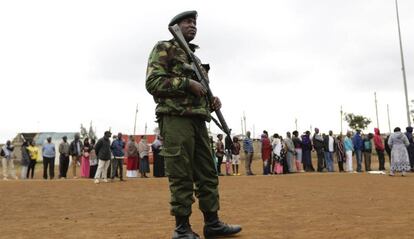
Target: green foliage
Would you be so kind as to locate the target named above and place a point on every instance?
(357, 121)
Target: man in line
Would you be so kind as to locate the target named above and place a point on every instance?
(117, 148)
(358, 147)
(75, 150)
(7, 161)
(329, 148)
(317, 141)
(410, 148)
(248, 152)
(49, 155)
(103, 153)
(379, 147)
(219, 153)
(63, 157)
(182, 109)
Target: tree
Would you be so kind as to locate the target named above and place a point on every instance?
(357, 121)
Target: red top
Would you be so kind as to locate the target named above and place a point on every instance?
(266, 149)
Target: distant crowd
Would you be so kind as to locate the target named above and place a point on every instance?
(101, 160)
(104, 159)
(293, 153)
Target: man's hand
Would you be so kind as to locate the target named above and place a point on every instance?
(215, 104)
(197, 88)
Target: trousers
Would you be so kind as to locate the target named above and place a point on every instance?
(189, 164)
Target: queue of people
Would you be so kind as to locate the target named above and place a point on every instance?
(294, 153)
(101, 160)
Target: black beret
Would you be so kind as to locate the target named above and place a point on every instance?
(182, 16)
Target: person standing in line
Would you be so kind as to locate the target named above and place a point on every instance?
(349, 149)
(228, 142)
(368, 151)
(7, 161)
(410, 148)
(235, 156)
(49, 155)
(340, 152)
(307, 152)
(158, 166)
(387, 147)
(34, 156)
(266, 153)
(358, 147)
(103, 152)
(63, 157)
(248, 152)
(318, 145)
(219, 153)
(379, 147)
(132, 154)
(297, 142)
(25, 160)
(85, 164)
(182, 110)
(117, 148)
(93, 161)
(75, 150)
(290, 153)
(329, 148)
(279, 153)
(398, 143)
(143, 150)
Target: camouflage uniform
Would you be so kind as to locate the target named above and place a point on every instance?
(181, 116)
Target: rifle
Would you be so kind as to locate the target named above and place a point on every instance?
(201, 77)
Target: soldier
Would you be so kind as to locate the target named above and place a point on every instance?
(182, 109)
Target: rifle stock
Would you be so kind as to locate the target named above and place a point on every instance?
(179, 37)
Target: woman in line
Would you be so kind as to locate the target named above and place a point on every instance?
(85, 165)
(132, 154)
(25, 160)
(34, 156)
(277, 157)
(93, 161)
(398, 143)
(340, 153)
(349, 148)
(143, 149)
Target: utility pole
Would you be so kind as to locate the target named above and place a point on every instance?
(135, 122)
(241, 120)
(145, 128)
(244, 118)
(376, 108)
(403, 67)
(388, 113)
(296, 124)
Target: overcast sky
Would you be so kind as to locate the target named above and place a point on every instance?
(63, 63)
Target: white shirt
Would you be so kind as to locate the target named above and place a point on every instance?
(331, 143)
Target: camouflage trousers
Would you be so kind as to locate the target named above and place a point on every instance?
(189, 164)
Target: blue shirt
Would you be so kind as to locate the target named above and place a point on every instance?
(48, 150)
(117, 148)
(358, 142)
(348, 144)
(248, 145)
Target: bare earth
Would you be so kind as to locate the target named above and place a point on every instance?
(306, 205)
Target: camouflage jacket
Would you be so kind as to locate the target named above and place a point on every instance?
(168, 75)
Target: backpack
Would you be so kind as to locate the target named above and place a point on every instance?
(2, 153)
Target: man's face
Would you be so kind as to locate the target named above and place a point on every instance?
(188, 27)
(77, 137)
(317, 131)
(119, 136)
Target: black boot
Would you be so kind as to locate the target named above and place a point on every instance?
(215, 228)
(183, 229)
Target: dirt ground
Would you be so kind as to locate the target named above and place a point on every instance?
(303, 205)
